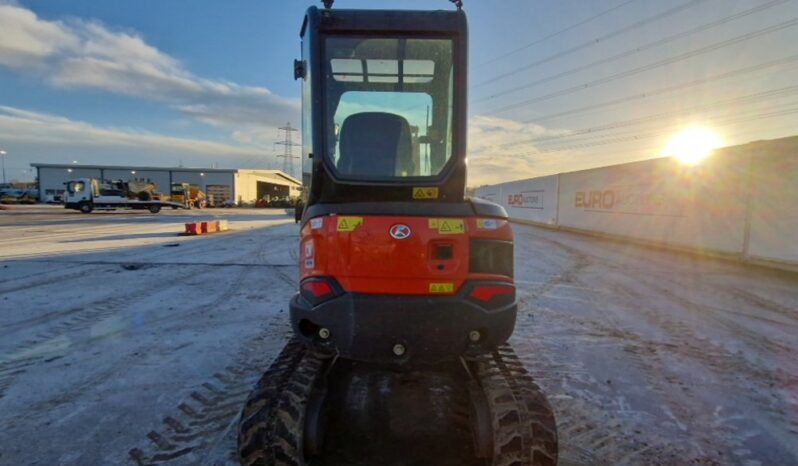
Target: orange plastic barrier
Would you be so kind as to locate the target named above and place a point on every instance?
(201, 228)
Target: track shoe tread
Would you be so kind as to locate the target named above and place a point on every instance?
(255, 429)
(290, 416)
(524, 428)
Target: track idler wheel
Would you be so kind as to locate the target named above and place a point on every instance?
(481, 422)
(315, 421)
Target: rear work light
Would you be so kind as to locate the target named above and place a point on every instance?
(491, 256)
(492, 295)
(318, 290)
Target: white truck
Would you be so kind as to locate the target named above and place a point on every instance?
(88, 194)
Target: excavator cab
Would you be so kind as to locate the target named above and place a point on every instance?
(383, 105)
(403, 281)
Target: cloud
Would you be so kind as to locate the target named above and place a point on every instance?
(492, 160)
(27, 127)
(80, 54)
(76, 53)
(28, 42)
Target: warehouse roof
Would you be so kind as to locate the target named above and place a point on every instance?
(274, 176)
(131, 167)
(278, 176)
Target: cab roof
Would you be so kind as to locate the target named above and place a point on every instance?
(385, 21)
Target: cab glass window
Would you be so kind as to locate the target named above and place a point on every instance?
(389, 102)
(76, 186)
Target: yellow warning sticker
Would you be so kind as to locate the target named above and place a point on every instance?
(447, 226)
(349, 223)
(425, 193)
(441, 287)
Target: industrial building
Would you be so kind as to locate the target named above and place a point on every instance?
(242, 186)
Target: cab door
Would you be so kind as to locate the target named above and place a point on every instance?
(78, 191)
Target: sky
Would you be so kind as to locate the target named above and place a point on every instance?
(555, 85)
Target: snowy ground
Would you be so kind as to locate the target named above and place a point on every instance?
(114, 329)
(654, 357)
(122, 343)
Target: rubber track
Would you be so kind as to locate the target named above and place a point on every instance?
(256, 430)
(290, 417)
(524, 428)
(272, 423)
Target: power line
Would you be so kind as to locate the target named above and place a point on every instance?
(635, 50)
(649, 154)
(598, 137)
(704, 118)
(666, 90)
(593, 42)
(644, 136)
(634, 134)
(781, 92)
(557, 33)
(651, 66)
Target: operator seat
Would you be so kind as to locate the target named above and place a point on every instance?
(376, 144)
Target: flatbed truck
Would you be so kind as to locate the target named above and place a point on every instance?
(89, 194)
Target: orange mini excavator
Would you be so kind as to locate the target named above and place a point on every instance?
(400, 273)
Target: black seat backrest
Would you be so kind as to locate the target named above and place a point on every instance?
(375, 144)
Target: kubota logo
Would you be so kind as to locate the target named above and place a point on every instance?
(400, 231)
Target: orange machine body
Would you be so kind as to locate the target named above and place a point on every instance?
(361, 253)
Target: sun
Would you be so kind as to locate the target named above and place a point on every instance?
(692, 145)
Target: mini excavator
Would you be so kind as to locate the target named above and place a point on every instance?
(400, 273)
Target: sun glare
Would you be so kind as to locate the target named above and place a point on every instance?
(692, 145)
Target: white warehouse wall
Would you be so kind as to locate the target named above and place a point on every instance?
(245, 187)
(662, 200)
(773, 227)
(742, 201)
(247, 184)
(533, 200)
(490, 193)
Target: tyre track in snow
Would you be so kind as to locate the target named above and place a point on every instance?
(48, 278)
(54, 339)
(199, 430)
(38, 274)
(585, 438)
(597, 426)
(63, 394)
(646, 355)
(589, 434)
(186, 248)
(198, 423)
(732, 368)
(727, 363)
(49, 342)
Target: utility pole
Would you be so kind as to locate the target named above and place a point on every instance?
(288, 149)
